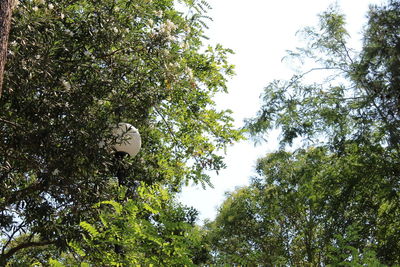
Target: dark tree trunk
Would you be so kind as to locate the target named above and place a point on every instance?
(6, 7)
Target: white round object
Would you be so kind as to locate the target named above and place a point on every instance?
(128, 139)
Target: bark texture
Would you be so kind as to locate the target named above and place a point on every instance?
(6, 7)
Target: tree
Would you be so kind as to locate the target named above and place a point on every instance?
(377, 69)
(353, 100)
(78, 68)
(241, 234)
(6, 8)
(310, 208)
(328, 201)
(277, 217)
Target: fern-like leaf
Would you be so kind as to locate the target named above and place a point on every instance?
(89, 228)
(75, 246)
(117, 206)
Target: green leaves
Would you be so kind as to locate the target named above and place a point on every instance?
(90, 229)
(78, 68)
(325, 203)
(349, 103)
(148, 230)
(117, 206)
(311, 207)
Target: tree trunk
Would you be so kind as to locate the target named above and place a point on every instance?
(6, 7)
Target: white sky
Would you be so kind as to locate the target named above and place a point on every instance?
(259, 31)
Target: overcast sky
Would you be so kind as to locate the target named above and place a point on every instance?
(259, 32)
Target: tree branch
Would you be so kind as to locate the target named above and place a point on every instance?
(168, 126)
(10, 237)
(347, 52)
(298, 77)
(14, 250)
(9, 122)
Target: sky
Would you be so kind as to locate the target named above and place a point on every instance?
(259, 32)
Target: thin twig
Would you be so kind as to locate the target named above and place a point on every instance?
(11, 123)
(308, 72)
(167, 124)
(347, 52)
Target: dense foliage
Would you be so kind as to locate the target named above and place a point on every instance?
(150, 229)
(313, 208)
(335, 200)
(76, 69)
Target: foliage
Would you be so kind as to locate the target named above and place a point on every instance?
(75, 70)
(353, 100)
(334, 200)
(148, 230)
(311, 207)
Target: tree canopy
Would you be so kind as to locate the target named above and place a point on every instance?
(312, 207)
(354, 100)
(334, 198)
(75, 69)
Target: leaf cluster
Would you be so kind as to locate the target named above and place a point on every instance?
(149, 230)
